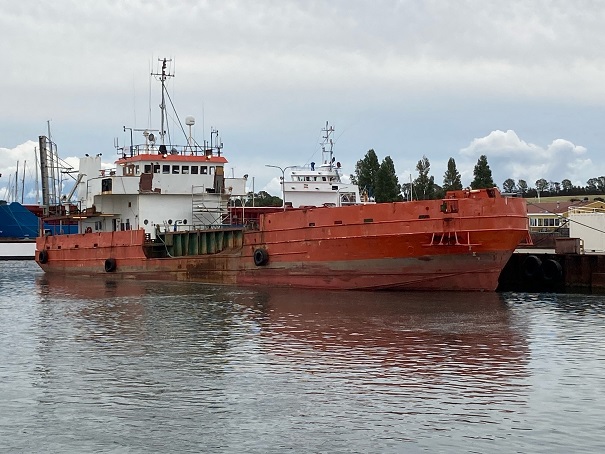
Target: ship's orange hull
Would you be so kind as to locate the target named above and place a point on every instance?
(460, 243)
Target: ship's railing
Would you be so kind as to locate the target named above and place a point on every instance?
(585, 210)
(168, 149)
(180, 226)
(314, 171)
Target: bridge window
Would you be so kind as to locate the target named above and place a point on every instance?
(176, 169)
(544, 222)
(194, 170)
(147, 168)
(156, 168)
(185, 169)
(166, 168)
(203, 170)
(106, 184)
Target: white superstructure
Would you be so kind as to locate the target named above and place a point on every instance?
(320, 185)
(155, 186)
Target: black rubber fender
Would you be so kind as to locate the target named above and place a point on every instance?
(110, 265)
(532, 266)
(552, 270)
(261, 257)
(43, 256)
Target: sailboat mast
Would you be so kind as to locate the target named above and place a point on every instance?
(23, 182)
(16, 194)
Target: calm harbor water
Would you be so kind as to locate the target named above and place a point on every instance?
(126, 366)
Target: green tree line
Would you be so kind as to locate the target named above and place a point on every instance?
(548, 188)
(380, 181)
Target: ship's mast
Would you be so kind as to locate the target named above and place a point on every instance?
(328, 131)
(163, 76)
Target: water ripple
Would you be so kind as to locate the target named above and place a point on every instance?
(129, 366)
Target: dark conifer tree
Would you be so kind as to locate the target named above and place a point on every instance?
(365, 173)
(483, 174)
(451, 179)
(387, 187)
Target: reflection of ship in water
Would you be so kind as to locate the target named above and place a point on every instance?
(122, 343)
(87, 288)
(416, 337)
(419, 344)
(128, 313)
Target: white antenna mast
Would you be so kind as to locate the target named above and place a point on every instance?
(163, 76)
(328, 130)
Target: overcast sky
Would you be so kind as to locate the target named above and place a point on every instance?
(522, 82)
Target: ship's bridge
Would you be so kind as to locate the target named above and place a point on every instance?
(319, 186)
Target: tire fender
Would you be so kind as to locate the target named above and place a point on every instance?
(552, 270)
(261, 257)
(532, 266)
(110, 265)
(43, 256)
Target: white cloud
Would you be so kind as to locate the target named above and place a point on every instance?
(20, 174)
(499, 143)
(15, 165)
(266, 73)
(511, 157)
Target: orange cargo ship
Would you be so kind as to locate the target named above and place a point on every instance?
(164, 213)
